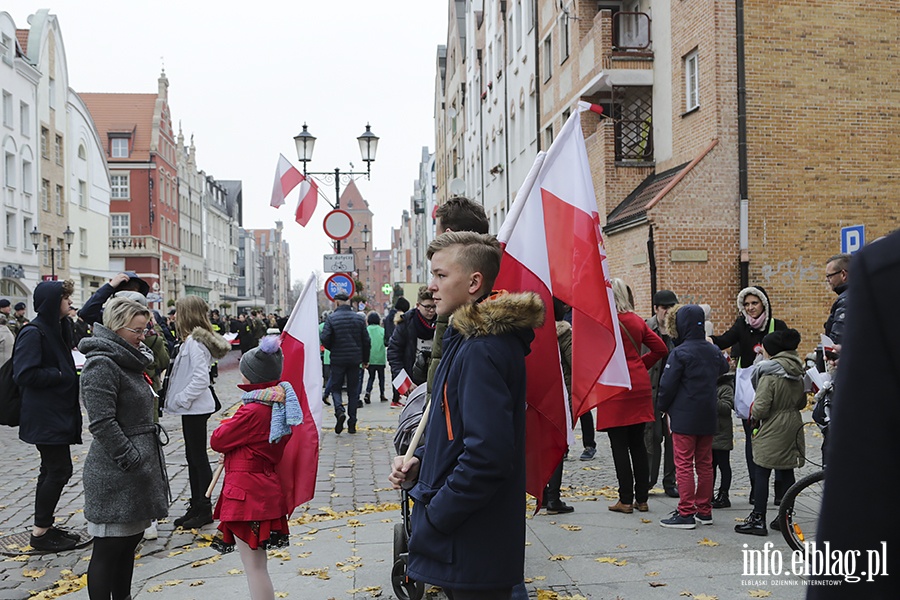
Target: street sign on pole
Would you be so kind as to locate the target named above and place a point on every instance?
(339, 263)
(338, 224)
(852, 238)
(339, 283)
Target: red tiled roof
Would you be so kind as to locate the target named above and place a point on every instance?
(22, 36)
(123, 113)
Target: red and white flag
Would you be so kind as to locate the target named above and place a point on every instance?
(552, 246)
(286, 178)
(402, 382)
(306, 202)
(303, 370)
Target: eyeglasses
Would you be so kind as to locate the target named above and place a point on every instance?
(427, 306)
(828, 276)
(140, 332)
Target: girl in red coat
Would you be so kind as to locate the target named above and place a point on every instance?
(252, 509)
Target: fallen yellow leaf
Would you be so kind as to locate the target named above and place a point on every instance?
(34, 573)
(281, 594)
(651, 574)
(707, 542)
(619, 562)
(172, 582)
(646, 521)
(705, 597)
(759, 593)
(547, 595)
(571, 527)
(234, 571)
(154, 589)
(197, 582)
(560, 557)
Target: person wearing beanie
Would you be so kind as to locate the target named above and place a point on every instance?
(252, 509)
(778, 442)
(18, 319)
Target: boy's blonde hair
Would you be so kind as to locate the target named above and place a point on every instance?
(191, 312)
(119, 312)
(475, 252)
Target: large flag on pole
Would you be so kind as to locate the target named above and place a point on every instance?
(286, 178)
(303, 370)
(552, 246)
(307, 201)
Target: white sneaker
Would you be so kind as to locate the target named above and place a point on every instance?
(151, 532)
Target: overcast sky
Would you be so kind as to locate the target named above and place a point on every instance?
(244, 76)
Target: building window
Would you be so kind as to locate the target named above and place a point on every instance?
(45, 142)
(548, 135)
(120, 225)
(7, 109)
(82, 241)
(45, 195)
(517, 24)
(120, 188)
(632, 112)
(82, 153)
(11, 230)
(59, 200)
(547, 62)
(45, 250)
(60, 255)
(564, 33)
(119, 147)
(9, 168)
(51, 96)
(26, 235)
(58, 149)
(82, 194)
(25, 119)
(691, 82)
(27, 174)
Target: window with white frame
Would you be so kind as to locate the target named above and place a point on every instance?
(118, 147)
(59, 200)
(25, 119)
(564, 35)
(45, 250)
(9, 170)
(45, 195)
(26, 235)
(58, 149)
(45, 142)
(120, 188)
(11, 230)
(51, 97)
(7, 109)
(547, 62)
(517, 24)
(120, 225)
(691, 81)
(82, 241)
(27, 174)
(82, 193)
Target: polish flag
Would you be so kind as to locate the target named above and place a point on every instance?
(286, 178)
(306, 202)
(303, 370)
(552, 246)
(402, 382)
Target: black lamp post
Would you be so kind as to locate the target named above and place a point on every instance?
(68, 236)
(368, 145)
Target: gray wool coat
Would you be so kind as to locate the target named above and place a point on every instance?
(125, 471)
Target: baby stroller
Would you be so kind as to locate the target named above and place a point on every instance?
(404, 587)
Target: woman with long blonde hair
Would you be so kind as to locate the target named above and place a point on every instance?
(189, 394)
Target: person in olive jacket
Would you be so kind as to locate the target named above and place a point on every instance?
(44, 369)
(125, 481)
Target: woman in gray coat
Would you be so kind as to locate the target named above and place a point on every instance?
(125, 482)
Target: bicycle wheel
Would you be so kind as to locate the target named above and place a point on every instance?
(798, 514)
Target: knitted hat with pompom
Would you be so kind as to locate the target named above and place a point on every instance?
(263, 364)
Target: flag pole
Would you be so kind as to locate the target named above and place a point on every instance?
(414, 442)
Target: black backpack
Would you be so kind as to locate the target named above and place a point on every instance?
(10, 394)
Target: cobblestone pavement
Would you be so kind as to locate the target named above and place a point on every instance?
(342, 541)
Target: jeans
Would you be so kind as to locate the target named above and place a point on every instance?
(376, 370)
(56, 470)
(326, 377)
(784, 478)
(587, 430)
(693, 452)
(722, 462)
(630, 459)
(196, 442)
(350, 375)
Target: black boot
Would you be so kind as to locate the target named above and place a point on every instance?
(553, 504)
(721, 500)
(755, 524)
(190, 514)
(368, 398)
(202, 515)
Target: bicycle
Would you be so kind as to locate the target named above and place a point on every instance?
(798, 515)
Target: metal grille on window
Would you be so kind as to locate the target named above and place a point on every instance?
(633, 112)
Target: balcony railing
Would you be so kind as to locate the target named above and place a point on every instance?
(133, 245)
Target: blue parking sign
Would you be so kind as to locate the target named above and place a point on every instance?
(853, 238)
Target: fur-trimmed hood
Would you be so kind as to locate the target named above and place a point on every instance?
(215, 343)
(499, 313)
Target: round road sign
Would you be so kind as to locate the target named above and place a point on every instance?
(339, 283)
(338, 224)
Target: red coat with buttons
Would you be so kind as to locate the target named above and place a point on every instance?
(251, 490)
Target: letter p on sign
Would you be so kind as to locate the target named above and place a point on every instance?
(853, 238)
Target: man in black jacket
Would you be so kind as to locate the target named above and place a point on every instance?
(837, 274)
(345, 335)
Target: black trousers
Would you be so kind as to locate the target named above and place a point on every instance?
(375, 370)
(196, 441)
(783, 477)
(56, 470)
(505, 594)
(111, 567)
(630, 458)
(587, 430)
(722, 464)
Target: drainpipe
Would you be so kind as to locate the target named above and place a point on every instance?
(505, 100)
(537, 74)
(743, 186)
(651, 257)
(480, 59)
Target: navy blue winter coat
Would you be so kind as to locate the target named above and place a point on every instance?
(346, 336)
(45, 371)
(468, 520)
(687, 388)
(402, 349)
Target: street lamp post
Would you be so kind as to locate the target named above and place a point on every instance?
(69, 237)
(368, 145)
